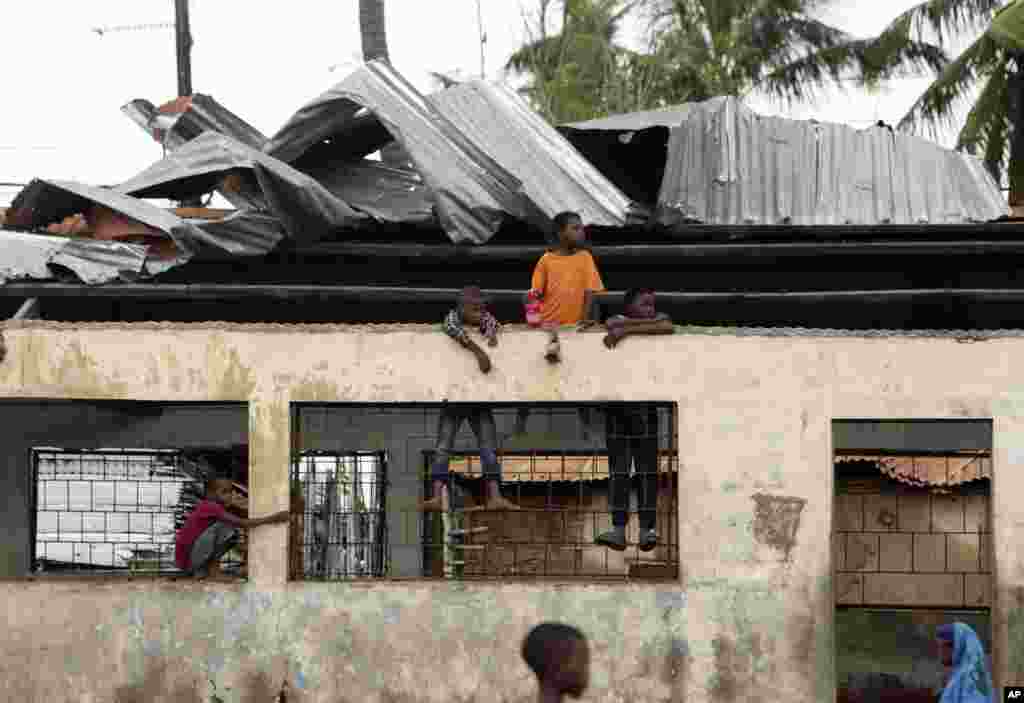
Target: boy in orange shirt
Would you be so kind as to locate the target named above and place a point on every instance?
(565, 280)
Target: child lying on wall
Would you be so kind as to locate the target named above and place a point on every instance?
(564, 280)
(210, 531)
(640, 317)
(471, 310)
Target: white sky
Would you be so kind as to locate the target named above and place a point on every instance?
(64, 84)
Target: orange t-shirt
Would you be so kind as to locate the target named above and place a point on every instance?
(564, 280)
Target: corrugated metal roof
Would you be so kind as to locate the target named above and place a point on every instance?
(184, 119)
(555, 176)
(938, 472)
(635, 121)
(305, 209)
(460, 142)
(44, 202)
(526, 469)
(727, 165)
(29, 256)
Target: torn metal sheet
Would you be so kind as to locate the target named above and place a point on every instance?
(181, 121)
(472, 193)
(554, 175)
(728, 165)
(246, 233)
(635, 121)
(45, 202)
(385, 193)
(305, 208)
(93, 262)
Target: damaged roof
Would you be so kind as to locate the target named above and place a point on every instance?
(481, 152)
(728, 165)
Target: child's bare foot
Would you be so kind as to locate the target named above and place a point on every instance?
(437, 504)
(500, 503)
(612, 339)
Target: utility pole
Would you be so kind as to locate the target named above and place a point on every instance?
(184, 44)
(483, 38)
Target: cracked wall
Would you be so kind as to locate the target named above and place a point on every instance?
(752, 615)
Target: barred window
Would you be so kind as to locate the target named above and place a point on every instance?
(341, 523)
(365, 474)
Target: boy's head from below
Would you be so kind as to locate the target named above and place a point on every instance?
(219, 490)
(640, 304)
(560, 658)
(570, 231)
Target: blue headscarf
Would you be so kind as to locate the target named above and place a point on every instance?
(970, 681)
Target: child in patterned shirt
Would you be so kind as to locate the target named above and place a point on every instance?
(471, 309)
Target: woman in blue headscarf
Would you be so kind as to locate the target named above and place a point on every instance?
(960, 648)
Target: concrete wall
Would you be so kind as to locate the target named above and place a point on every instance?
(750, 620)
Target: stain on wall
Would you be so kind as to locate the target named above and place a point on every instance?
(777, 521)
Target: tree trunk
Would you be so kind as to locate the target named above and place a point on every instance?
(1015, 167)
(372, 30)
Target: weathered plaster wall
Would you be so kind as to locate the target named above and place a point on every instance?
(755, 512)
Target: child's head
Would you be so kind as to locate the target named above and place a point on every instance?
(219, 489)
(472, 304)
(569, 228)
(559, 656)
(639, 304)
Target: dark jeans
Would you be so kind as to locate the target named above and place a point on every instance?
(215, 541)
(632, 435)
(481, 420)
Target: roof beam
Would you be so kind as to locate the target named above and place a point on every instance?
(681, 250)
(293, 292)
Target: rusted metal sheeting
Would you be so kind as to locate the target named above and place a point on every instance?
(93, 262)
(937, 472)
(482, 154)
(554, 175)
(728, 165)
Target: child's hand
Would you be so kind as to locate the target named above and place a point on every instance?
(614, 336)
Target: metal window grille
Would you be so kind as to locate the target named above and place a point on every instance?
(555, 466)
(343, 527)
(106, 510)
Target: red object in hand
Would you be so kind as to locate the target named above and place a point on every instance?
(533, 317)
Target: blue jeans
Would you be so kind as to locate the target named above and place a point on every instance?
(481, 420)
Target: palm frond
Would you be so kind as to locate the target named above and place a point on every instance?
(946, 17)
(988, 109)
(936, 105)
(865, 60)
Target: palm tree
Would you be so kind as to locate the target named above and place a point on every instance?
(994, 127)
(372, 30)
(699, 49)
(581, 72)
(779, 47)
